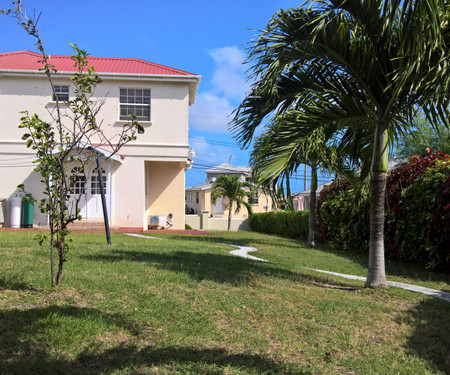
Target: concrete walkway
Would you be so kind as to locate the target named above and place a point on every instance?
(244, 250)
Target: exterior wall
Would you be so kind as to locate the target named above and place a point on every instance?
(263, 201)
(217, 223)
(165, 141)
(204, 200)
(210, 176)
(194, 221)
(165, 184)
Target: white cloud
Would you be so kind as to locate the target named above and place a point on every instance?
(211, 113)
(229, 76)
(213, 108)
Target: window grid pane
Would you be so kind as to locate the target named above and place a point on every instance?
(135, 102)
(95, 185)
(62, 93)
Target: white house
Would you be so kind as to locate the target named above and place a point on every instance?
(147, 177)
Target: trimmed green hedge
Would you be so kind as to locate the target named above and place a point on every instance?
(282, 223)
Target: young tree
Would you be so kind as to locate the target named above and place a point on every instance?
(71, 137)
(364, 65)
(234, 191)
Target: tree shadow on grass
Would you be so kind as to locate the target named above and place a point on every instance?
(14, 282)
(253, 239)
(32, 342)
(394, 267)
(225, 269)
(430, 339)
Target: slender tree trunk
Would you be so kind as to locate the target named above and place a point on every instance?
(52, 246)
(376, 276)
(312, 207)
(229, 215)
(59, 275)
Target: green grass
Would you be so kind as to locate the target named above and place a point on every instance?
(186, 306)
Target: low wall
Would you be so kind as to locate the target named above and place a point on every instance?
(204, 222)
(193, 221)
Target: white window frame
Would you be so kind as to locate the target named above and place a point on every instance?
(197, 197)
(129, 99)
(61, 92)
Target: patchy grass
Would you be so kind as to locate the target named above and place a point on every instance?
(185, 305)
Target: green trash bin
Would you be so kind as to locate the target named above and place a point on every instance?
(27, 211)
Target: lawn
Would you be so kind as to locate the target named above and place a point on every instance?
(184, 305)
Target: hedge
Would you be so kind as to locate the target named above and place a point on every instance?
(417, 226)
(291, 224)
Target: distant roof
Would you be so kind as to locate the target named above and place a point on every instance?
(200, 187)
(226, 168)
(27, 60)
(307, 193)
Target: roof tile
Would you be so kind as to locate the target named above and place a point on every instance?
(26, 60)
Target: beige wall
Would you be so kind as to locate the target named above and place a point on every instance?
(165, 181)
(161, 151)
(204, 200)
(263, 200)
(217, 223)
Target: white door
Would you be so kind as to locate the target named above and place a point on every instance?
(78, 187)
(93, 195)
(218, 207)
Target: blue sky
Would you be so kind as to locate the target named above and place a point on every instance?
(203, 37)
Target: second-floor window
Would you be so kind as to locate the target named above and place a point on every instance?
(197, 198)
(135, 102)
(62, 93)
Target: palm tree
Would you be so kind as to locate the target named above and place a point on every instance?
(365, 66)
(235, 191)
(273, 162)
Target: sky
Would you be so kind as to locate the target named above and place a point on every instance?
(208, 38)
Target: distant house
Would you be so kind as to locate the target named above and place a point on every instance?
(198, 198)
(306, 196)
(148, 177)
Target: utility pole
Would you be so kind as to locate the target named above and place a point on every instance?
(230, 159)
(306, 175)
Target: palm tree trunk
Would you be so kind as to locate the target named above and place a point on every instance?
(312, 206)
(376, 276)
(290, 202)
(229, 216)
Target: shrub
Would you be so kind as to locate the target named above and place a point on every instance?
(291, 224)
(423, 222)
(417, 213)
(187, 227)
(343, 217)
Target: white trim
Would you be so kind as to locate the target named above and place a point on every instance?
(85, 146)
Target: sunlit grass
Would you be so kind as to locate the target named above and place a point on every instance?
(185, 305)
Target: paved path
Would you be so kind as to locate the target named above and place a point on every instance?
(244, 250)
(141, 236)
(414, 288)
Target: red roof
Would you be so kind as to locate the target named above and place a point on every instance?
(26, 60)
